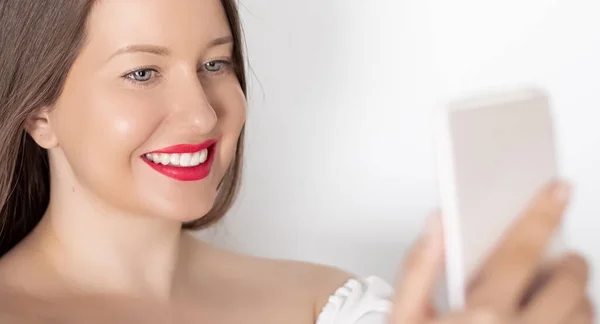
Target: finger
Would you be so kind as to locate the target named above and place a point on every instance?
(536, 286)
(584, 314)
(430, 311)
(504, 277)
(562, 293)
(412, 302)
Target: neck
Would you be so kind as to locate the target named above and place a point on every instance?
(105, 250)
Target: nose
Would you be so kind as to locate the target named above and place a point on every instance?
(192, 107)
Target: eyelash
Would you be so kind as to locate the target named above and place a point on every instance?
(226, 68)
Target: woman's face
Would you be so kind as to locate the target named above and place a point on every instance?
(151, 111)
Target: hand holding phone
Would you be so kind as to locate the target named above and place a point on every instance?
(510, 288)
(494, 153)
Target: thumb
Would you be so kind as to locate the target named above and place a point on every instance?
(412, 302)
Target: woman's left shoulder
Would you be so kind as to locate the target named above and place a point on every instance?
(338, 296)
(318, 281)
(326, 291)
(320, 278)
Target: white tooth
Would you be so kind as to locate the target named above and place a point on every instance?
(203, 155)
(149, 156)
(195, 159)
(174, 159)
(185, 159)
(165, 159)
(156, 158)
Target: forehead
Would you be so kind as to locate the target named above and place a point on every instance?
(174, 23)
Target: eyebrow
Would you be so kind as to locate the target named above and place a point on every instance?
(161, 50)
(221, 41)
(152, 49)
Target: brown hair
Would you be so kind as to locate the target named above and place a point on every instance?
(39, 41)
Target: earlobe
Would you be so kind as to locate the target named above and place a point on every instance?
(38, 126)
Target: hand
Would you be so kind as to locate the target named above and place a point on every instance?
(509, 287)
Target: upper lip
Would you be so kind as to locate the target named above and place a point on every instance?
(185, 148)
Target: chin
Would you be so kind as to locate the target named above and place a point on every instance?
(184, 216)
(182, 209)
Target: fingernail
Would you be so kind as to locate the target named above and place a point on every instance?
(562, 192)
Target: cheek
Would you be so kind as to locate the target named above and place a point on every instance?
(104, 130)
(127, 121)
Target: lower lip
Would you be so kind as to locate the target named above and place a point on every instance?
(195, 173)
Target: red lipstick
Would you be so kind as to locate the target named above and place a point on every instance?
(184, 173)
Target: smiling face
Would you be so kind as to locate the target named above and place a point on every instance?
(151, 111)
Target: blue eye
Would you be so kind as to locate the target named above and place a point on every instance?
(143, 75)
(213, 66)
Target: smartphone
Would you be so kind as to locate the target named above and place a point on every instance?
(495, 152)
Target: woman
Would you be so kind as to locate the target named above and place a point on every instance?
(123, 122)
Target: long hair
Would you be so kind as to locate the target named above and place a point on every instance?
(39, 41)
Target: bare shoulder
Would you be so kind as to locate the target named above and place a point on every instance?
(321, 281)
(314, 282)
(309, 283)
(318, 280)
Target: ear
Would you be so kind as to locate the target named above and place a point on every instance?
(38, 126)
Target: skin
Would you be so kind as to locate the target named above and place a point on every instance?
(110, 247)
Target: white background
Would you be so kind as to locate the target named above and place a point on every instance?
(340, 162)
